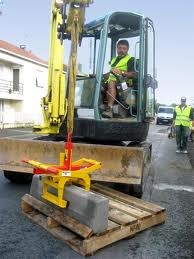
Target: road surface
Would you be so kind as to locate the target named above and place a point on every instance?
(169, 183)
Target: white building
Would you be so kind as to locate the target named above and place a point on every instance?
(23, 81)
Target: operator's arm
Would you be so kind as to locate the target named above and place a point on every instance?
(129, 74)
(131, 71)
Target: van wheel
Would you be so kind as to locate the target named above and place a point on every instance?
(157, 122)
(19, 178)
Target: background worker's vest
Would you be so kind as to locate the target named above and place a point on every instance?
(121, 65)
(182, 117)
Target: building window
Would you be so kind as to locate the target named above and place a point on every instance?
(39, 79)
(1, 110)
(16, 79)
(1, 67)
(1, 70)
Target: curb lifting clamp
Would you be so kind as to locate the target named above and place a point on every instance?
(66, 173)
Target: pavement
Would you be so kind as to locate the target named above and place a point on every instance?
(172, 186)
(169, 183)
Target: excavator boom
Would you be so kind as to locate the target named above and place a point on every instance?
(61, 88)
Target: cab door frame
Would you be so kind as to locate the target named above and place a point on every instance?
(150, 83)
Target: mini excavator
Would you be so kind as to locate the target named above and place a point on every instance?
(75, 100)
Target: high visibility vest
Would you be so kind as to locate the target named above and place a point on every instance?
(182, 117)
(121, 65)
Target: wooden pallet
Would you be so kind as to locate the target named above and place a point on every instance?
(127, 216)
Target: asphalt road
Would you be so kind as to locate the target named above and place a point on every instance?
(169, 183)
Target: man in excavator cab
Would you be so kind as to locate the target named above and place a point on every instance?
(120, 78)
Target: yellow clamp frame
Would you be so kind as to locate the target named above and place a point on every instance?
(62, 178)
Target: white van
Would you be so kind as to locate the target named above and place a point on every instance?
(165, 114)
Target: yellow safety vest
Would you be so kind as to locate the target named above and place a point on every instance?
(121, 65)
(182, 117)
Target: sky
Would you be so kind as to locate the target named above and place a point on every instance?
(28, 22)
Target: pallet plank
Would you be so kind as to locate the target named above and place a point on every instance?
(26, 207)
(112, 226)
(59, 232)
(71, 239)
(95, 243)
(127, 199)
(127, 209)
(120, 217)
(51, 223)
(59, 216)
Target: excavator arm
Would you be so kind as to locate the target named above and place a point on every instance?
(60, 102)
(67, 22)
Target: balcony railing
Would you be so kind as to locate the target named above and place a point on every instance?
(11, 87)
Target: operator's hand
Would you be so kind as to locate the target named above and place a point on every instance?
(132, 74)
(116, 71)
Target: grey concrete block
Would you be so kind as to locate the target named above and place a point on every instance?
(88, 208)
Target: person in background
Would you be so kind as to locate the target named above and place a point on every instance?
(183, 115)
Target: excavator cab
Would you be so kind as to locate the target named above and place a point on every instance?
(133, 107)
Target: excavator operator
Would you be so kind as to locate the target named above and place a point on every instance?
(120, 66)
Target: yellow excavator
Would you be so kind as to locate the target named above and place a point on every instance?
(75, 100)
